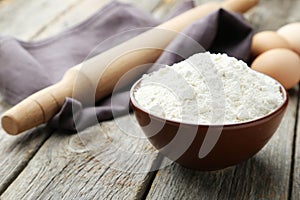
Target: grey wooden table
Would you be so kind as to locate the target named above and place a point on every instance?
(113, 161)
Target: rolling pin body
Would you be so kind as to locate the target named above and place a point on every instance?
(101, 73)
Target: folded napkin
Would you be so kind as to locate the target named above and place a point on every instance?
(27, 67)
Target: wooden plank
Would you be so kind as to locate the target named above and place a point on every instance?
(268, 16)
(71, 171)
(296, 171)
(23, 19)
(78, 13)
(102, 162)
(16, 151)
(82, 11)
(265, 176)
(271, 15)
(76, 169)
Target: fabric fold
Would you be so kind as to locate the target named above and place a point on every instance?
(36, 65)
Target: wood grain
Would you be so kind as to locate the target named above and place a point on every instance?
(102, 162)
(16, 160)
(75, 15)
(83, 10)
(271, 15)
(295, 193)
(62, 167)
(16, 151)
(24, 19)
(265, 176)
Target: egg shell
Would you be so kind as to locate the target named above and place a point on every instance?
(267, 40)
(281, 64)
(291, 32)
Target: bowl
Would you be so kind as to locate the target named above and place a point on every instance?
(224, 146)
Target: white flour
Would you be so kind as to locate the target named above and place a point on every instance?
(209, 89)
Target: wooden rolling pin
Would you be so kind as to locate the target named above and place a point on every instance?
(100, 73)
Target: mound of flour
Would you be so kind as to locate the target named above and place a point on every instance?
(208, 89)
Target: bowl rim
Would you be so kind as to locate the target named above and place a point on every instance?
(261, 119)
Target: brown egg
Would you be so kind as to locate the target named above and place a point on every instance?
(266, 40)
(291, 32)
(281, 64)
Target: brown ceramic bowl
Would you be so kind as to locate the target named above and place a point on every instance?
(181, 142)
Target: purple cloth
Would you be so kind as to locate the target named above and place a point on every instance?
(26, 67)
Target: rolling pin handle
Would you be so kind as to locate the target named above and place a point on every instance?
(43, 105)
(14, 122)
